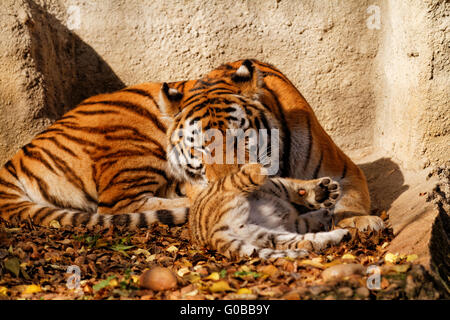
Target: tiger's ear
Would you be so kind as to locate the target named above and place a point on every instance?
(248, 78)
(169, 100)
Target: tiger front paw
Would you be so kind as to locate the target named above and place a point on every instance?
(323, 193)
(256, 172)
(363, 223)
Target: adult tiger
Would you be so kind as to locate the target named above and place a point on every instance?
(252, 94)
(103, 163)
(99, 165)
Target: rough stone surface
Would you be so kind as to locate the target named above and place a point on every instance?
(382, 93)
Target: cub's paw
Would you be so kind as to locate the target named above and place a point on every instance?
(314, 221)
(323, 193)
(322, 240)
(363, 223)
(326, 192)
(305, 245)
(255, 171)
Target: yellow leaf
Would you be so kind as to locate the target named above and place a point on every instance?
(312, 263)
(172, 249)
(244, 291)
(150, 258)
(182, 271)
(390, 257)
(192, 277)
(135, 278)
(245, 268)
(332, 263)
(220, 286)
(411, 257)
(213, 276)
(54, 224)
(3, 291)
(400, 268)
(32, 288)
(142, 251)
(113, 283)
(348, 256)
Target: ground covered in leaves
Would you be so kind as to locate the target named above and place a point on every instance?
(74, 263)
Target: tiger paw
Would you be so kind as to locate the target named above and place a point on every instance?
(256, 172)
(305, 245)
(363, 223)
(323, 193)
(318, 220)
(322, 240)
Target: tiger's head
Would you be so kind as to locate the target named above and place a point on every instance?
(224, 107)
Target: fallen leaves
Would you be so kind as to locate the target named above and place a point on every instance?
(32, 288)
(220, 286)
(117, 265)
(13, 265)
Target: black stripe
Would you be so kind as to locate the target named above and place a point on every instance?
(84, 142)
(132, 107)
(147, 169)
(59, 145)
(10, 185)
(165, 216)
(85, 219)
(316, 171)
(42, 185)
(141, 93)
(310, 141)
(131, 198)
(70, 175)
(74, 220)
(35, 155)
(142, 221)
(204, 84)
(96, 112)
(286, 136)
(44, 216)
(38, 213)
(11, 169)
(122, 220)
(140, 185)
(10, 196)
(101, 220)
(344, 171)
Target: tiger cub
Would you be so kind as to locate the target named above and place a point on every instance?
(246, 213)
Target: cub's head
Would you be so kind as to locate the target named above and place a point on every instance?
(211, 120)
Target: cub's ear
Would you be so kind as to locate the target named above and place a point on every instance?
(169, 100)
(248, 78)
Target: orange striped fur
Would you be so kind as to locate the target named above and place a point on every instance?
(248, 214)
(102, 163)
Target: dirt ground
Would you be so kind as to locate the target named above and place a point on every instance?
(35, 264)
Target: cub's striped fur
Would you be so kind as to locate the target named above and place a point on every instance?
(252, 94)
(246, 214)
(104, 163)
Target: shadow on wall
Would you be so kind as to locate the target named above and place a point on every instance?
(386, 182)
(71, 69)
